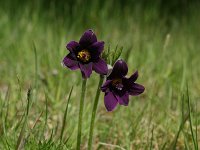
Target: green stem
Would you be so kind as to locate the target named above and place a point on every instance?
(94, 113)
(81, 113)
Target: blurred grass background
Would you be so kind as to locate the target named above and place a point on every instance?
(160, 39)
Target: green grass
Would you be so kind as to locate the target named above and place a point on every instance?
(164, 49)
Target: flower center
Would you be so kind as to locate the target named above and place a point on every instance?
(84, 55)
(117, 83)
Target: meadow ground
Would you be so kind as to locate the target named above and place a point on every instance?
(165, 49)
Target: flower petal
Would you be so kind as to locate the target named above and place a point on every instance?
(86, 69)
(128, 82)
(123, 100)
(136, 89)
(69, 62)
(88, 38)
(120, 70)
(110, 101)
(73, 46)
(100, 67)
(105, 86)
(96, 49)
(133, 78)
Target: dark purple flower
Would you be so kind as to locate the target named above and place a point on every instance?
(85, 55)
(117, 87)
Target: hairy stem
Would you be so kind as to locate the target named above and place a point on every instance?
(94, 113)
(81, 113)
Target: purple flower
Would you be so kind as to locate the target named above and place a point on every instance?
(85, 55)
(117, 87)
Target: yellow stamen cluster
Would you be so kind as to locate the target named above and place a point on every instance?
(84, 55)
(116, 81)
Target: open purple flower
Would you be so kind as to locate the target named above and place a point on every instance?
(117, 87)
(85, 55)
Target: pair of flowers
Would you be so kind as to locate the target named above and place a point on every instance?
(86, 56)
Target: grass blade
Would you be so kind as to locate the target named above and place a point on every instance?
(197, 144)
(21, 135)
(190, 120)
(152, 134)
(65, 115)
(183, 121)
(36, 65)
